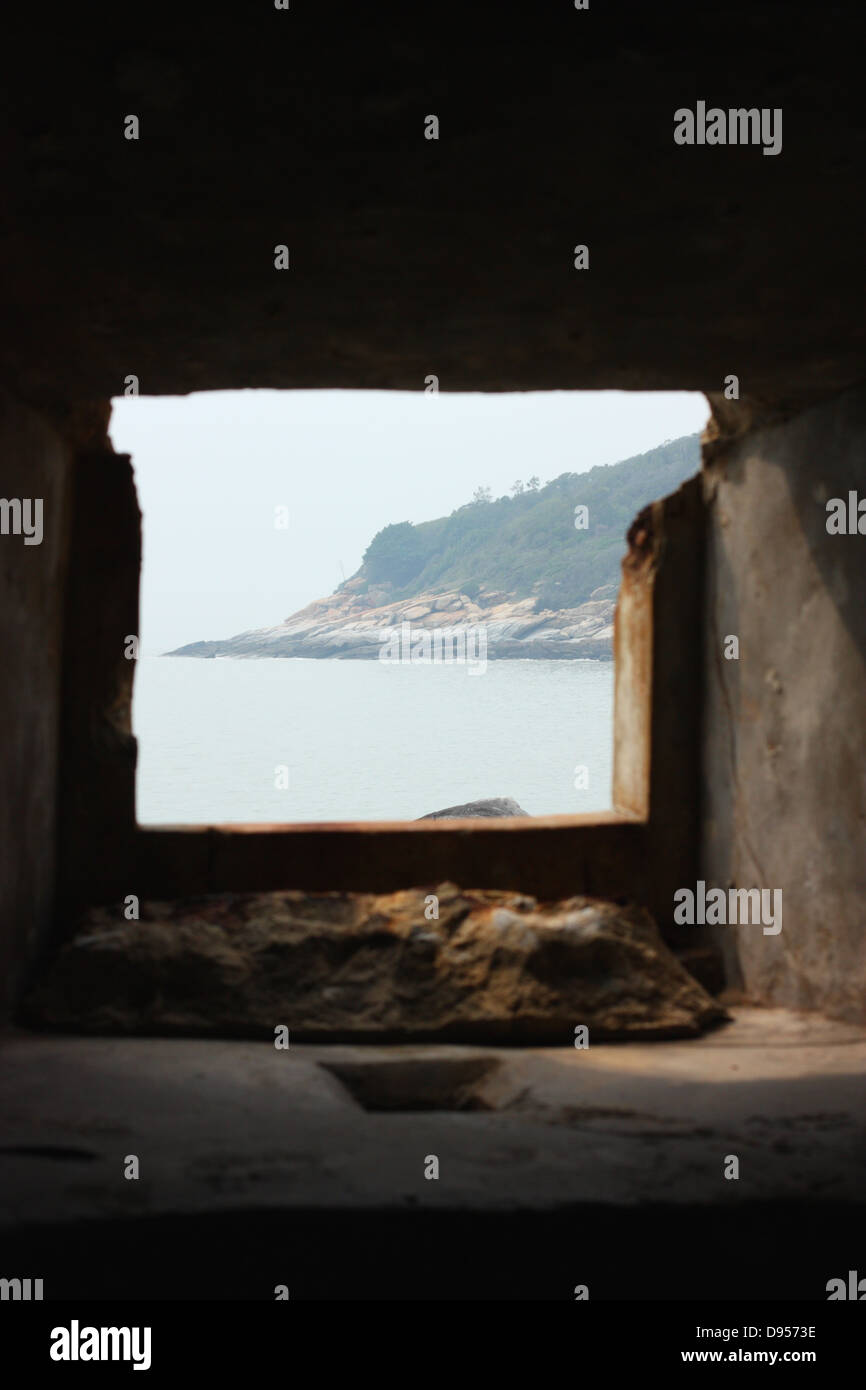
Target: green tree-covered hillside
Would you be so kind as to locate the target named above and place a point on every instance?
(527, 544)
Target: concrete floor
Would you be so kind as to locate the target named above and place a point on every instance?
(242, 1134)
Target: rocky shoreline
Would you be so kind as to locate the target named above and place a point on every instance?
(357, 622)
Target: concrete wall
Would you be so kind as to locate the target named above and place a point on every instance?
(34, 463)
(785, 725)
(97, 774)
(410, 256)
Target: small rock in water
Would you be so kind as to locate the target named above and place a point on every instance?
(494, 806)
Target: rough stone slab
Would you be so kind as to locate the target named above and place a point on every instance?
(495, 967)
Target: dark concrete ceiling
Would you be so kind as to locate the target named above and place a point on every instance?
(451, 257)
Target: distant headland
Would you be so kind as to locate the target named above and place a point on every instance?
(537, 572)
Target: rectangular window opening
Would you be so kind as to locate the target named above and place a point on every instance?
(375, 606)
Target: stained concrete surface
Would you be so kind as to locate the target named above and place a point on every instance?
(254, 1159)
(784, 782)
(227, 1124)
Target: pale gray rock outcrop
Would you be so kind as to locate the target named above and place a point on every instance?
(350, 624)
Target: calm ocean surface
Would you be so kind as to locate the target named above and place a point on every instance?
(364, 740)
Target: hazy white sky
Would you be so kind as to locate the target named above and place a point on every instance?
(212, 468)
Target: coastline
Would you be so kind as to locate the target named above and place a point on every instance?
(354, 626)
